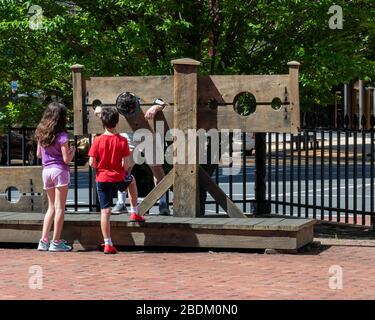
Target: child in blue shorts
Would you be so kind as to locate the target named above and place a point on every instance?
(110, 156)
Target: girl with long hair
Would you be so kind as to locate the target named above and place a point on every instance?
(53, 149)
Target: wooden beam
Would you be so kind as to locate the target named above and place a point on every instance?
(134, 123)
(264, 119)
(25, 179)
(222, 118)
(155, 194)
(224, 88)
(295, 125)
(185, 180)
(219, 195)
(78, 99)
(107, 89)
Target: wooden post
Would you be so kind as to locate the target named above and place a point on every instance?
(294, 96)
(185, 179)
(78, 100)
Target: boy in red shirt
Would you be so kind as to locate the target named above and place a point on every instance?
(110, 154)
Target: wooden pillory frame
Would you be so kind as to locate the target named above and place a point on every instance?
(189, 95)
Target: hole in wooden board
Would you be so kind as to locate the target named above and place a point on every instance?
(96, 103)
(276, 103)
(244, 103)
(12, 194)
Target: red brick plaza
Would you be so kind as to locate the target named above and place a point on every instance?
(191, 275)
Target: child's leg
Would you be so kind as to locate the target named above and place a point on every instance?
(60, 201)
(105, 222)
(133, 194)
(133, 198)
(48, 218)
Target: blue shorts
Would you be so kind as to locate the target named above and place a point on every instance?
(106, 190)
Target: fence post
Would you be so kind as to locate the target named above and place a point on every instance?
(261, 205)
(185, 176)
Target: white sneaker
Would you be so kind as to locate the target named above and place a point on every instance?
(119, 208)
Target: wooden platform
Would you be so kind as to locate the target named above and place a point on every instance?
(211, 232)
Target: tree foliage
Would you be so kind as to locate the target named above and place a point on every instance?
(140, 37)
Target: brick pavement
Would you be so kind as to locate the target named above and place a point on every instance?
(190, 275)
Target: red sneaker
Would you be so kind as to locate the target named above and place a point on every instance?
(137, 217)
(109, 249)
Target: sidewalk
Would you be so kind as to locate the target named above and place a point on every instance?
(191, 275)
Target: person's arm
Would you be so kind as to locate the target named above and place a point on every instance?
(93, 163)
(93, 155)
(126, 163)
(39, 151)
(98, 111)
(151, 113)
(67, 153)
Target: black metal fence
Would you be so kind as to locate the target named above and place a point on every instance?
(323, 172)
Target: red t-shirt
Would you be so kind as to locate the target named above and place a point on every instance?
(109, 150)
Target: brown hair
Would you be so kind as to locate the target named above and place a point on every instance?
(110, 117)
(53, 122)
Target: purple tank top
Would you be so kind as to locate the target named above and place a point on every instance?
(52, 156)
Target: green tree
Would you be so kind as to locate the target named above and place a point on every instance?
(129, 37)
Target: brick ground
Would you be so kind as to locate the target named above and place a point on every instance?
(190, 275)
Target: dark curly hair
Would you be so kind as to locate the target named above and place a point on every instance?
(127, 104)
(53, 122)
(110, 117)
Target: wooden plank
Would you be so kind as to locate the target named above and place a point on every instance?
(5, 215)
(134, 123)
(245, 241)
(264, 119)
(107, 89)
(25, 203)
(207, 119)
(219, 195)
(186, 238)
(224, 88)
(157, 219)
(88, 233)
(208, 223)
(169, 220)
(268, 223)
(185, 176)
(78, 98)
(240, 224)
(156, 193)
(295, 224)
(25, 179)
(13, 235)
(304, 236)
(294, 96)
